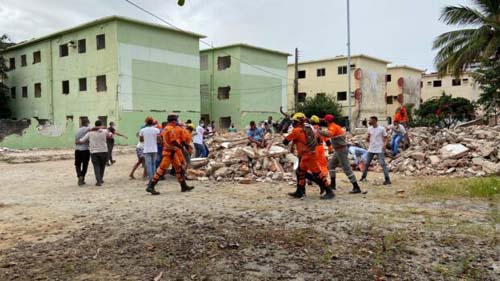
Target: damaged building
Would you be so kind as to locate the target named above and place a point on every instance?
(113, 69)
(404, 87)
(241, 83)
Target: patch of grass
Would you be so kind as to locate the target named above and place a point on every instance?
(485, 187)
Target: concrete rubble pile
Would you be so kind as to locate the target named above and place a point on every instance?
(466, 152)
(231, 159)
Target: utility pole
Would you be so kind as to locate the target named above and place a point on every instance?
(349, 65)
(296, 81)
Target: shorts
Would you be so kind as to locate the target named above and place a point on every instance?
(140, 153)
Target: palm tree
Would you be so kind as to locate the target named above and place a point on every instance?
(460, 48)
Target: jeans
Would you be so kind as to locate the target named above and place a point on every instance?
(396, 140)
(150, 160)
(381, 159)
(82, 158)
(201, 150)
(99, 162)
(111, 144)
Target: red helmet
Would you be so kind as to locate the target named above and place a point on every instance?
(329, 118)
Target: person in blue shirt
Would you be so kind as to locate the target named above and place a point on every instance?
(256, 136)
(359, 155)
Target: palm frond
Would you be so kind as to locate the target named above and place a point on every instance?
(461, 15)
(491, 7)
(445, 38)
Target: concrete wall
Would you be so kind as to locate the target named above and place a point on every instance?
(410, 91)
(258, 85)
(468, 88)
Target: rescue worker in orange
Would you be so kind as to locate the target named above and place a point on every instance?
(401, 116)
(172, 155)
(304, 138)
(320, 149)
(186, 143)
(340, 158)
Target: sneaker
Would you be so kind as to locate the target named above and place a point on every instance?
(327, 196)
(297, 195)
(98, 184)
(387, 182)
(80, 181)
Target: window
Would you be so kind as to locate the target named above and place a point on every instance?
(104, 120)
(83, 119)
(225, 122)
(37, 57)
(204, 62)
(302, 97)
(436, 83)
(24, 91)
(82, 84)
(342, 70)
(82, 46)
(341, 96)
(38, 90)
(456, 82)
(321, 94)
(353, 66)
(23, 60)
(223, 92)
(388, 78)
(389, 100)
(223, 62)
(101, 83)
(321, 72)
(65, 87)
(12, 63)
(465, 80)
(429, 83)
(63, 50)
(302, 74)
(13, 92)
(100, 41)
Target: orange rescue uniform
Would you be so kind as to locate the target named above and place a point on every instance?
(172, 153)
(308, 158)
(320, 150)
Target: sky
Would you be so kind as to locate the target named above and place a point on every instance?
(400, 31)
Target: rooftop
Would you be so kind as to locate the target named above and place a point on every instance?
(244, 45)
(406, 67)
(342, 57)
(100, 21)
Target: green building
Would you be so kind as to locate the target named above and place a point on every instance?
(241, 83)
(114, 69)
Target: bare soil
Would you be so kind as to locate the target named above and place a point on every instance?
(51, 229)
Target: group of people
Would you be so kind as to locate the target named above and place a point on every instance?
(94, 144)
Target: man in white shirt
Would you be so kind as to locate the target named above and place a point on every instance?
(198, 141)
(150, 135)
(377, 137)
(398, 132)
(97, 139)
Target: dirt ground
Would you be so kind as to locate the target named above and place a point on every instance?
(51, 229)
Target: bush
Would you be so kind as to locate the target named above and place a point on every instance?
(320, 105)
(444, 111)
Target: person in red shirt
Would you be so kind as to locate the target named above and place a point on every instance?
(172, 155)
(401, 116)
(304, 139)
(340, 158)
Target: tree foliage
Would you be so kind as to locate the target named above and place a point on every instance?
(4, 90)
(488, 76)
(461, 48)
(320, 105)
(444, 111)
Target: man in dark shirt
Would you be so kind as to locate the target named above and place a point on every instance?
(111, 142)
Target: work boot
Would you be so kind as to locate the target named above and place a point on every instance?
(355, 188)
(81, 181)
(363, 179)
(387, 182)
(300, 193)
(185, 187)
(151, 188)
(328, 194)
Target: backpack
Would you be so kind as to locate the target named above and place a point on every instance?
(311, 140)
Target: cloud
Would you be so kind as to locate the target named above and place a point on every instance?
(399, 31)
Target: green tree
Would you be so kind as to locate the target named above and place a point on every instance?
(444, 111)
(488, 76)
(4, 90)
(320, 105)
(481, 40)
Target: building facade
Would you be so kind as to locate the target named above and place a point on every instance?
(329, 77)
(242, 83)
(434, 86)
(404, 87)
(114, 69)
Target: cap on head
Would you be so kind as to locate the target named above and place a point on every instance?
(299, 117)
(315, 119)
(329, 118)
